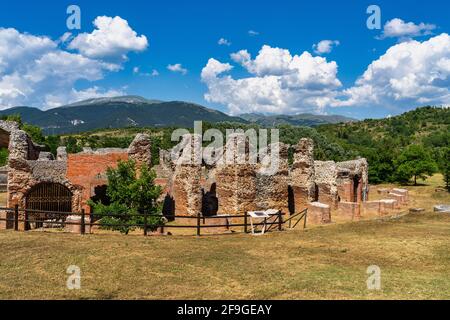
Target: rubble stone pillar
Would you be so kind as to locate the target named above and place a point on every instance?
(303, 174)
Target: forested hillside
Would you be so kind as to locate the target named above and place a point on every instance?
(424, 132)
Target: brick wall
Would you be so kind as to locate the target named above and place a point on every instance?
(89, 171)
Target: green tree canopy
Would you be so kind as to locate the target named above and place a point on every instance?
(414, 162)
(131, 192)
(444, 165)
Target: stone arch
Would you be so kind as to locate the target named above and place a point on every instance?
(75, 190)
(50, 197)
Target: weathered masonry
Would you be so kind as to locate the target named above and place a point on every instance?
(36, 180)
(230, 189)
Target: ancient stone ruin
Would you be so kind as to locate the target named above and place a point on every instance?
(36, 180)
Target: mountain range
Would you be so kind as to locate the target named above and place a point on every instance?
(134, 111)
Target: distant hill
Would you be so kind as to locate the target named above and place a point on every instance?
(305, 119)
(119, 112)
(135, 111)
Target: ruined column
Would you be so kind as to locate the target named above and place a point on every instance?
(326, 183)
(302, 175)
(236, 177)
(185, 184)
(140, 150)
(272, 188)
(19, 173)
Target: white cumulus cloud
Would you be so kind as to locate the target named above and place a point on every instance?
(36, 71)
(112, 39)
(409, 74)
(178, 67)
(397, 28)
(325, 46)
(279, 82)
(223, 42)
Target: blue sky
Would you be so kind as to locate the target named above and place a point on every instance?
(282, 79)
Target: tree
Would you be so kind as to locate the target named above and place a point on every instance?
(34, 132)
(414, 162)
(131, 192)
(444, 165)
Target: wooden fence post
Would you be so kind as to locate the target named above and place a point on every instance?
(304, 222)
(16, 217)
(246, 222)
(145, 223)
(83, 222)
(198, 223)
(280, 220)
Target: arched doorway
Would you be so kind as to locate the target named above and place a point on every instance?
(47, 197)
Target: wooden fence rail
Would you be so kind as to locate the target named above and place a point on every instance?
(55, 215)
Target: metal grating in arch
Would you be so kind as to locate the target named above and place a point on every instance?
(49, 197)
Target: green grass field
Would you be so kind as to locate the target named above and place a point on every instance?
(325, 262)
(329, 262)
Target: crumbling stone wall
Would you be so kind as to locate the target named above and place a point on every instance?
(25, 171)
(238, 186)
(302, 175)
(185, 183)
(326, 183)
(353, 181)
(80, 173)
(140, 150)
(236, 177)
(272, 190)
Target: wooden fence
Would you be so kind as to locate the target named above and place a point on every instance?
(59, 219)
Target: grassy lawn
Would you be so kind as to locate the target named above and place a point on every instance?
(329, 262)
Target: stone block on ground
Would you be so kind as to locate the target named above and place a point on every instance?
(388, 206)
(350, 210)
(383, 191)
(222, 220)
(401, 200)
(403, 192)
(416, 210)
(76, 228)
(371, 208)
(318, 213)
(442, 208)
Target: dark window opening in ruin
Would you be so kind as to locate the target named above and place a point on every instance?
(355, 188)
(101, 195)
(291, 200)
(210, 202)
(47, 197)
(316, 193)
(168, 209)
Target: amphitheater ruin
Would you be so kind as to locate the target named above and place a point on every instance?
(35, 180)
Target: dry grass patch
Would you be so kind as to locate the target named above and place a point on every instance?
(321, 263)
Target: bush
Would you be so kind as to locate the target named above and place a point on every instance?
(131, 192)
